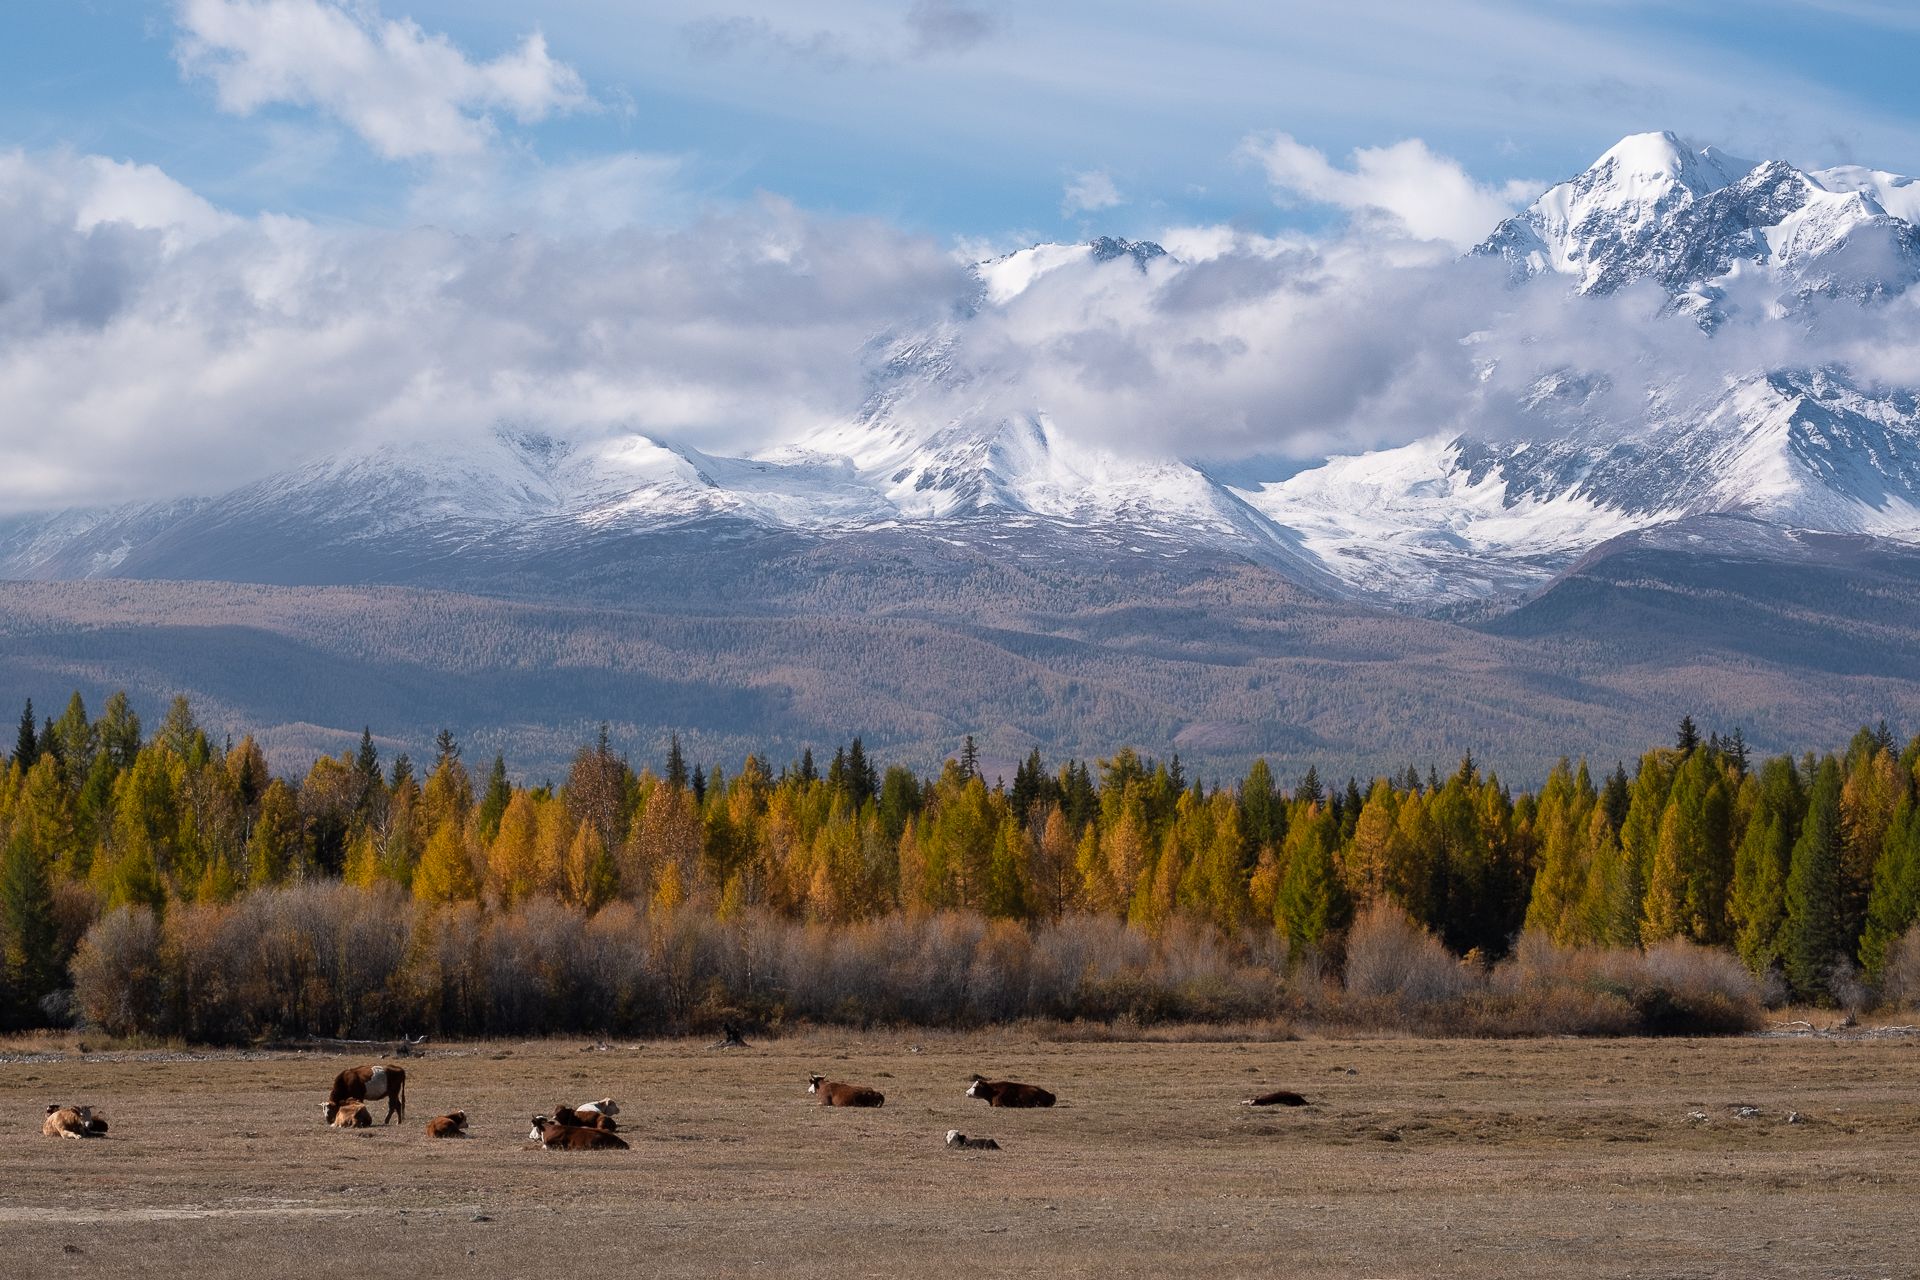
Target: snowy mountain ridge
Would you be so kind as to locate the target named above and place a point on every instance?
(1450, 520)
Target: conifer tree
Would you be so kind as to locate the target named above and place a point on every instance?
(29, 944)
(493, 801)
(1312, 905)
(1310, 791)
(969, 758)
(1815, 933)
(26, 747)
(676, 774)
(1758, 904)
(1895, 902)
(1688, 738)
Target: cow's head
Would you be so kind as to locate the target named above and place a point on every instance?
(538, 1133)
(331, 1109)
(978, 1089)
(814, 1083)
(955, 1137)
(459, 1119)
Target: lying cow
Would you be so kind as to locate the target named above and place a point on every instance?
(575, 1118)
(72, 1122)
(453, 1125)
(961, 1142)
(352, 1115)
(573, 1137)
(370, 1084)
(605, 1106)
(1008, 1093)
(1278, 1098)
(834, 1094)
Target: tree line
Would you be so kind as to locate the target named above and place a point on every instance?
(1806, 867)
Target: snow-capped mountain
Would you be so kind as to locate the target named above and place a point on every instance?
(1654, 209)
(939, 450)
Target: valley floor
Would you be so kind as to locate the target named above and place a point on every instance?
(1416, 1158)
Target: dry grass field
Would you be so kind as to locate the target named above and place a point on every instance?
(1416, 1158)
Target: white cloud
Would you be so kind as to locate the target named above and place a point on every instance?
(152, 346)
(1428, 196)
(1090, 192)
(409, 93)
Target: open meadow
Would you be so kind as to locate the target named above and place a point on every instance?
(1415, 1158)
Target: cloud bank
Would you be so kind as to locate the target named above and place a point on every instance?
(154, 345)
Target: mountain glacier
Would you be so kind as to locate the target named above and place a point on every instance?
(1451, 521)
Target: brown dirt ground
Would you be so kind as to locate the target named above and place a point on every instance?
(1417, 1158)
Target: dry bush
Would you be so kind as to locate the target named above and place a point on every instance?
(117, 973)
(1391, 958)
(1900, 983)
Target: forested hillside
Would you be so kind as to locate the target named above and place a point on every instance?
(1807, 868)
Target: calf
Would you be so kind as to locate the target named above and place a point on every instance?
(1008, 1093)
(370, 1084)
(961, 1142)
(1278, 1098)
(352, 1115)
(574, 1118)
(72, 1122)
(834, 1094)
(573, 1137)
(448, 1126)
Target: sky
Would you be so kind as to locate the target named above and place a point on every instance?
(237, 232)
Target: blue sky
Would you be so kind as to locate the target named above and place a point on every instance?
(972, 118)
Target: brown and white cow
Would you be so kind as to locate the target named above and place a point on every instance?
(574, 1118)
(1009, 1093)
(961, 1142)
(605, 1106)
(72, 1122)
(834, 1094)
(452, 1125)
(1278, 1098)
(352, 1115)
(573, 1137)
(370, 1084)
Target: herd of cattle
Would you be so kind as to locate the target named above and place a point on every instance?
(591, 1125)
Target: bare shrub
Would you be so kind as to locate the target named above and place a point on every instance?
(1389, 957)
(1900, 984)
(117, 975)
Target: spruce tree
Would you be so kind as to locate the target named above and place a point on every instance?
(1895, 902)
(677, 764)
(1310, 791)
(1689, 737)
(969, 758)
(29, 960)
(26, 747)
(493, 803)
(1815, 933)
(809, 772)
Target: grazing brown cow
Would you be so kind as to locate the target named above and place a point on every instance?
(1278, 1098)
(961, 1142)
(573, 1137)
(834, 1094)
(574, 1118)
(352, 1115)
(72, 1122)
(1007, 1093)
(453, 1125)
(370, 1084)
